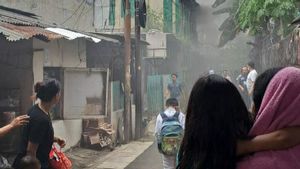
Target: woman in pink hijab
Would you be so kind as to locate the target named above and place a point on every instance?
(280, 108)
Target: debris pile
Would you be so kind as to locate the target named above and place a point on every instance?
(97, 132)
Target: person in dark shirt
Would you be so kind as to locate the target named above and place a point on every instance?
(174, 88)
(38, 135)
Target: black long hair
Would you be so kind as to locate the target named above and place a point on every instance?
(47, 89)
(260, 86)
(216, 118)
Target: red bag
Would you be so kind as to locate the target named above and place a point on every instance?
(58, 160)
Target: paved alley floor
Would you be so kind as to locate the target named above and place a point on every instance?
(119, 158)
(122, 156)
(141, 154)
(150, 159)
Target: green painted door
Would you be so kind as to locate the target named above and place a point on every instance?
(155, 93)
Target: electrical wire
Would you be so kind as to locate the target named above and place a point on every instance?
(74, 12)
(79, 16)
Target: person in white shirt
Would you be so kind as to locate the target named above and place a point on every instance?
(252, 75)
(169, 162)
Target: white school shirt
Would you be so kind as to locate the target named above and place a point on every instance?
(251, 77)
(170, 111)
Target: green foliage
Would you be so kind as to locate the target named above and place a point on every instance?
(155, 19)
(229, 31)
(229, 27)
(162, 20)
(254, 15)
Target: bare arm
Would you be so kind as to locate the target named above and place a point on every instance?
(17, 122)
(241, 88)
(250, 92)
(4, 130)
(167, 93)
(277, 140)
(32, 149)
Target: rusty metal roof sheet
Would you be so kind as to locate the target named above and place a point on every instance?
(14, 32)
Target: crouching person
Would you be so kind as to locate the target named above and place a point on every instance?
(169, 132)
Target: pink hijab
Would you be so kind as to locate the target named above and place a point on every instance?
(280, 108)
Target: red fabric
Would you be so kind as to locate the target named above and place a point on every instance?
(58, 160)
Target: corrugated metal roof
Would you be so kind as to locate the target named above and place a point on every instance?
(14, 32)
(118, 36)
(70, 35)
(19, 12)
(11, 20)
(19, 20)
(18, 17)
(17, 32)
(16, 25)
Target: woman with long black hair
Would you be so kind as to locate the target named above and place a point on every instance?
(217, 126)
(214, 123)
(38, 135)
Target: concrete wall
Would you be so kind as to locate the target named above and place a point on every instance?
(106, 55)
(80, 84)
(73, 14)
(156, 5)
(84, 15)
(70, 130)
(62, 52)
(158, 44)
(117, 123)
(101, 15)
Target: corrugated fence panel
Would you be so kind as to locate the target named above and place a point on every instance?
(155, 93)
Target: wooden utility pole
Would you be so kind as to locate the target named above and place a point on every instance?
(127, 85)
(138, 70)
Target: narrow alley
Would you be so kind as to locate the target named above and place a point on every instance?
(126, 84)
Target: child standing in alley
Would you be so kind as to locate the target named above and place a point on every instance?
(169, 131)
